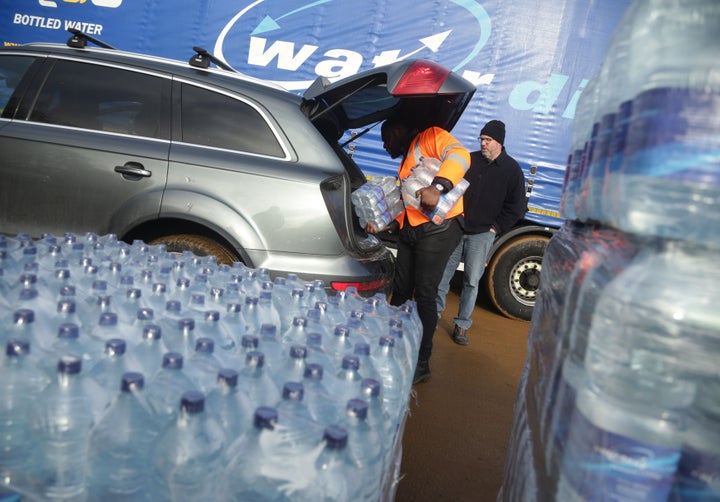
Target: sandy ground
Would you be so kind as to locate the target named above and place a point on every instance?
(458, 428)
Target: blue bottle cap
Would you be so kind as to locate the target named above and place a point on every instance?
(255, 359)
(23, 316)
(265, 417)
(228, 376)
(357, 408)
(350, 363)
(313, 371)
(370, 386)
(108, 319)
(152, 332)
(298, 352)
(145, 314)
(205, 345)
(66, 307)
(212, 315)
(132, 381)
(268, 329)
(68, 330)
(335, 437)
(192, 401)
(186, 323)
(249, 341)
(17, 347)
(115, 346)
(387, 341)
(69, 365)
(172, 360)
(293, 391)
(362, 349)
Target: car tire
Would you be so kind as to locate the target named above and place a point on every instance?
(513, 276)
(198, 245)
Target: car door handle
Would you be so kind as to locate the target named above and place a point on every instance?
(133, 171)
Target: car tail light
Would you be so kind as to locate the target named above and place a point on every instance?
(421, 77)
(360, 286)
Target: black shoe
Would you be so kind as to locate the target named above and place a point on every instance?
(459, 335)
(422, 372)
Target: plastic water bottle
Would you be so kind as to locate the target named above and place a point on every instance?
(367, 362)
(257, 381)
(61, 419)
(187, 456)
(258, 467)
(298, 428)
(107, 327)
(225, 343)
(296, 333)
(697, 474)
(203, 365)
(181, 337)
(167, 386)
(641, 375)
(668, 182)
(395, 382)
(323, 407)
(229, 404)
(292, 368)
(120, 444)
(448, 201)
(148, 353)
(346, 384)
(21, 383)
(607, 252)
(334, 477)
(365, 448)
(110, 368)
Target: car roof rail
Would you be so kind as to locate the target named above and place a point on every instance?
(79, 40)
(202, 59)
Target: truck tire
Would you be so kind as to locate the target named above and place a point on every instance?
(198, 245)
(513, 276)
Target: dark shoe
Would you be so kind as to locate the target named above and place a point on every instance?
(422, 372)
(459, 335)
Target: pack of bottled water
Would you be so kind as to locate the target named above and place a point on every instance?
(131, 373)
(377, 201)
(620, 396)
(421, 177)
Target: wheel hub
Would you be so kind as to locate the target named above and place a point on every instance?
(525, 280)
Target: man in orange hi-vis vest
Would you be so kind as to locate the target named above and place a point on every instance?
(424, 247)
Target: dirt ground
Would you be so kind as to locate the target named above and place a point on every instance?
(458, 428)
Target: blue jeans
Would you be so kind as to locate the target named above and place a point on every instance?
(473, 251)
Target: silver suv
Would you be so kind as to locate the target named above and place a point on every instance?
(200, 158)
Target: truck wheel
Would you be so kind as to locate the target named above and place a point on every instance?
(198, 245)
(513, 276)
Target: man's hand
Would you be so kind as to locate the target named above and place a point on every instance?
(429, 197)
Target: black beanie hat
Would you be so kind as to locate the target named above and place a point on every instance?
(495, 129)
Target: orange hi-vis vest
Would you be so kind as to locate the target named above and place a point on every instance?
(435, 143)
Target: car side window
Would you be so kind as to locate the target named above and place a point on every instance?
(102, 98)
(12, 69)
(213, 119)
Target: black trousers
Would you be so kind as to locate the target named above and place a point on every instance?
(422, 254)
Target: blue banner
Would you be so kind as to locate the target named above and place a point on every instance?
(529, 60)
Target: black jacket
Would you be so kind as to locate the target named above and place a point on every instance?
(496, 194)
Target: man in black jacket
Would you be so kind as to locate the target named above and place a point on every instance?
(494, 201)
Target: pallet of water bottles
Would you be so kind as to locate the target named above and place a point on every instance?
(131, 373)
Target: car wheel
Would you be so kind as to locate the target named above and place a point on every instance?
(513, 276)
(198, 245)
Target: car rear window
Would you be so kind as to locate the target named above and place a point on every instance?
(213, 119)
